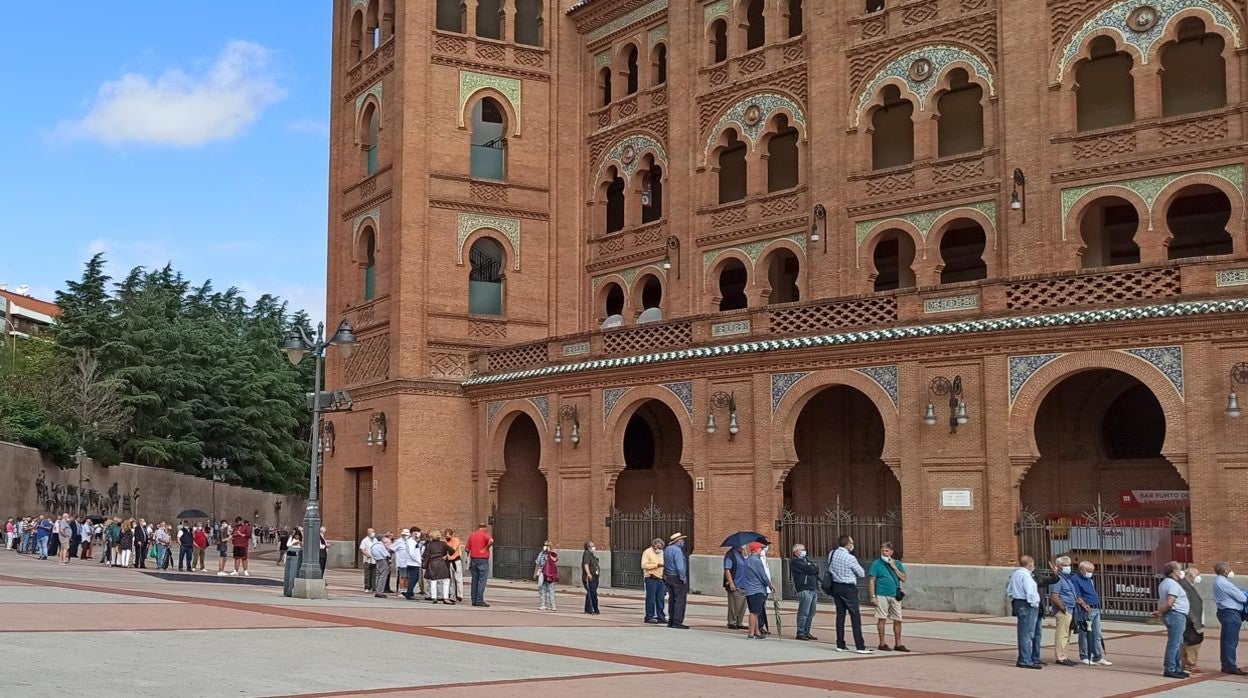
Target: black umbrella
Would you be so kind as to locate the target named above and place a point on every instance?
(193, 514)
(742, 538)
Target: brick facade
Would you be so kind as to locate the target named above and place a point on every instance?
(830, 391)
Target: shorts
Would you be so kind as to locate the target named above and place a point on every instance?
(757, 603)
(223, 552)
(887, 608)
(240, 553)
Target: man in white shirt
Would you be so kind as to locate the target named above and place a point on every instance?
(379, 551)
(845, 572)
(1025, 605)
(366, 547)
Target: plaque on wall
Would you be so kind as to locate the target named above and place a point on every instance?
(956, 499)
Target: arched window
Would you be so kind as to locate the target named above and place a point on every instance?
(782, 269)
(962, 253)
(756, 25)
(719, 41)
(372, 26)
(614, 300)
(490, 19)
(604, 85)
(387, 19)
(732, 282)
(372, 137)
(660, 64)
(875, 5)
(1106, 95)
(651, 191)
(1108, 228)
(529, 22)
(489, 140)
(796, 21)
(961, 125)
(485, 279)
(782, 160)
(370, 265)
(1197, 218)
(732, 169)
(1193, 75)
(615, 202)
(356, 36)
(451, 15)
(651, 300)
(892, 134)
(894, 260)
(634, 76)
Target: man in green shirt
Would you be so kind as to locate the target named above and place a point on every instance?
(885, 577)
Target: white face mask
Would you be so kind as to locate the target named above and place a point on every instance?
(886, 558)
(1230, 575)
(1066, 569)
(801, 553)
(1087, 575)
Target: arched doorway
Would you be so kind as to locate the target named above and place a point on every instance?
(840, 485)
(653, 493)
(1102, 491)
(519, 519)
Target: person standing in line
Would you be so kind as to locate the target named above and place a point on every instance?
(402, 560)
(412, 549)
(322, 549)
(64, 534)
(241, 534)
(753, 581)
(186, 546)
(366, 547)
(479, 545)
(1088, 617)
(1063, 597)
(200, 540)
(437, 572)
(676, 578)
(19, 535)
(1025, 603)
(763, 626)
(125, 544)
(415, 571)
(590, 572)
(1194, 632)
(380, 552)
(845, 572)
(142, 538)
(805, 575)
(162, 539)
(43, 530)
(733, 559)
(546, 572)
(455, 558)
(1172, 608)
(224, 536)
(8, 534)
(652, 569)
(1230, 601)
(86, 529)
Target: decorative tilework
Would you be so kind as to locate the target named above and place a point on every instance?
(644, 12)
(1149, 188)
(1114, 18)
(1079, 318)
(375, 91)
(470, 223)
(727, 329)
(951, 303)
(576, 349)
(610, 396)
(885, 377)
(1233, 277)
(781, 383)
(768, 104)
(752, 249)
(656, 35)
(924, 220)
(471, 83)
(374, 213)
(1022, 368)
(683, 391)
(543, 406)
(640, 144)
(602, 59)
(1168, 360)
(491, 411)
(941, 57)
(719, 8)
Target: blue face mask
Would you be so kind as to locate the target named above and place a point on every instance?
(1066, 569)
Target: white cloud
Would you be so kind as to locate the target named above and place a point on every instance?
(311, 127)
(176, 109)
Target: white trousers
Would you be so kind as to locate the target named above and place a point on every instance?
(439, 589)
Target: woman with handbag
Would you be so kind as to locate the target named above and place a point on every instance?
(546, 572)
(886, 576)
(437, 569)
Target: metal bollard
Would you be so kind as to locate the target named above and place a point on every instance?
(294, 558)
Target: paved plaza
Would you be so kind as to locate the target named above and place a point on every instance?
(85, 629)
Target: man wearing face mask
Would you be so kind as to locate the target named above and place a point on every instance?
(1230, 601)
(805, 574)
(1194, 633)
(1172, 609)
(886, 576)
(652, 570)
(676, 577)
(845, 572)
(1062, 596)
(1025, 604)
(1088, 617)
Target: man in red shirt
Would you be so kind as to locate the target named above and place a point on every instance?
(241, 538)
(479, 544)
(201, 544)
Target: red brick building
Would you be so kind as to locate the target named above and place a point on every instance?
(962, 273)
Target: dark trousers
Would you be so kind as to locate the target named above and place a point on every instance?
(369, 571)
(655, 589)
(480, 567)
(324, 559)
(1230, 620)
(413, 575)
(591, 596)
(184, 553)
(677, 591)
(140, 554)
(846, 598)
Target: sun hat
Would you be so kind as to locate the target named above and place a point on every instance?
(675, 537)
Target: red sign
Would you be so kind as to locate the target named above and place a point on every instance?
(1153, 499)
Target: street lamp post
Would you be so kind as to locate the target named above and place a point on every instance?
(81, 456)
(215, 467)
(310, 582)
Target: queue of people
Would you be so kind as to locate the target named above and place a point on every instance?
(426, 564)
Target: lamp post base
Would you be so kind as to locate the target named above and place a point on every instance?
(310, 589)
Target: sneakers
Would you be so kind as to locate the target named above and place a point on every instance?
(840, 648)
(246, 573)
(234, 573)
(541, 608)
(1086, 661)
(864, 650)
(1105, 662)
(222, 574)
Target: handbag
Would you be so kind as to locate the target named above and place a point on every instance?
(901, 595)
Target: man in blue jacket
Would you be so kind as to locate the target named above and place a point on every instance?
(1088, 617)
(676, 577)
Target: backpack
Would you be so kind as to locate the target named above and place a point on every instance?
(550, 570)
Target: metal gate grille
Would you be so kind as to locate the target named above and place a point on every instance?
(518, 538)
(632, 533)
(820, 532)
(1128, 553)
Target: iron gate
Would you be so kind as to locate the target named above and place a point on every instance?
(820, 532)
(518, 538)
(632, 533)
(1128, 553)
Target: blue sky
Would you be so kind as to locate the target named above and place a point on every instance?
(187, 132)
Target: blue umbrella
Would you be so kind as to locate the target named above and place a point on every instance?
(742, 538)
